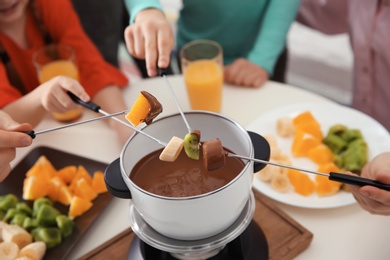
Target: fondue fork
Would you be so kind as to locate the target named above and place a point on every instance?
(333, 176)
(33, 133)
(96, 108)
(162, 73)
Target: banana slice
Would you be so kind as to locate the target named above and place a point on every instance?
(35, 250)
(285, 126)
(22, 258)
(283, 159)
(275, 152)
(280, 182)
(271, 139)
(172, 150)
(2, 225)
(268, 172)
(265, 174)
(8, 250)
(16, 234)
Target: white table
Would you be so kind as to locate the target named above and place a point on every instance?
(339, 233)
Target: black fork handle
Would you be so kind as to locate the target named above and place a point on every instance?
(90, 105)
(357, 181)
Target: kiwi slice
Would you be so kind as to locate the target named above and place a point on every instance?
(191, 144)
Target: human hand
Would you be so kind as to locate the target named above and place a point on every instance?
(150, 37)
(54, 97)
(242, 72)
(371, 199)
(11, 136)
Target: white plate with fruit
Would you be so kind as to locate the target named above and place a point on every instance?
(327, 115)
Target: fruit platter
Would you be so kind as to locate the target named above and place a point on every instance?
(58, 218)
(311, 146)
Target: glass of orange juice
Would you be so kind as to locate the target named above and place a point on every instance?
(202, 66)
(54, 60)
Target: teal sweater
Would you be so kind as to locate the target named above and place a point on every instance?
(253, 29)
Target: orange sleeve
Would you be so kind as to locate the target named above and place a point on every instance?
(8, 92)
(64, 26)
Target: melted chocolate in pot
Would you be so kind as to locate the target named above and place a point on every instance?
(184, 177)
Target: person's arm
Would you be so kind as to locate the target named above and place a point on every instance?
(149, 35)
(102, 81)
(49, 96)
(135, 6)
(64, 26)
(271, 39)
(327, 16)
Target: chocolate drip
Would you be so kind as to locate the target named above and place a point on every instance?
(155, 107)
(196, 132)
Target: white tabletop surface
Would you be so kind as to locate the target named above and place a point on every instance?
(338, 233)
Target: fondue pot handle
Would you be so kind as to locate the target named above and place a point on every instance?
(262, 150)
(114, 181)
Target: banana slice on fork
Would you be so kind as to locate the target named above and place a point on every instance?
(172, 149)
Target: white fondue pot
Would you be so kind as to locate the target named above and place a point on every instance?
(195, 217)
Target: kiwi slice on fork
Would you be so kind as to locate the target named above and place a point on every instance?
(192, 144)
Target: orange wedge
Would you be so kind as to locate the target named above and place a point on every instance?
(67, 173)
(302, 143)
(306, 122)
(328, 167)
(98, 183)
(321, 154)
(59, 191)
(304, 118)
(78, 206)
(301, 182)
(81, 173)
(35, 187)
(139, 111)
(64, 195)
(42, 167)
(325, 187)
(312, 128)
(83, 189)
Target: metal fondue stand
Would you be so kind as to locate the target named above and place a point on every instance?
(249, 244)
(244, 239)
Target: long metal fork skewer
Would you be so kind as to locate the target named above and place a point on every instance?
(34, 133)
(134, 128)
(277, 164)
(333, 176)
(177, 103)
(96, 108)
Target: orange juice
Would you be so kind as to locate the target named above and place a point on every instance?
(55, 68)
(65, 68)
(204, 81)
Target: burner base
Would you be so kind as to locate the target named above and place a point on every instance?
(251, 244)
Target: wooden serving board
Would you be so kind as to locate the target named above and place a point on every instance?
(286, 238)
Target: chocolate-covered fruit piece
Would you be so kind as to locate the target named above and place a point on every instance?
(191, 144)
(145, 109)
(213, 154)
